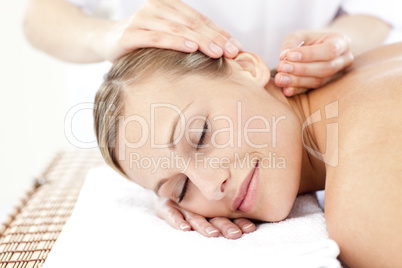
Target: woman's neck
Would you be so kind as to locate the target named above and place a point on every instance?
(313, 169)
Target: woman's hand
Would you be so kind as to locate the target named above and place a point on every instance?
(181, 219)
(321, 59)
(168, 24)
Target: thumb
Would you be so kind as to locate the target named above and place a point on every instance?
(290, 41)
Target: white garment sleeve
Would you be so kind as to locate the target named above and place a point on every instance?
(98, 8)
(87, 6)
(387, 10)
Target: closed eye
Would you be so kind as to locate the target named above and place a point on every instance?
(204, 131)
(184, 191)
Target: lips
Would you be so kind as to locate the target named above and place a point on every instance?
(247, 195)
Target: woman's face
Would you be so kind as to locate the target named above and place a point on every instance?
(218, 147)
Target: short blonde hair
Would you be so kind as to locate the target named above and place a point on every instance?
(133, 68)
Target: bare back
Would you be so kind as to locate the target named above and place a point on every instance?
(363, 203)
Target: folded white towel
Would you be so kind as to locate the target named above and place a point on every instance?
(114, 225)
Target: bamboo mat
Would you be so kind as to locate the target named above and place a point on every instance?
(29, 232)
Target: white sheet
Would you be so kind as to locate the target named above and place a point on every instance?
(114, 225)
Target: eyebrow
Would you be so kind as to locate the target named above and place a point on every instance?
(174, 126)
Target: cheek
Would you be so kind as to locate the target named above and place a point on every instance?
(281, 167)
(196, 203)
(277, 194)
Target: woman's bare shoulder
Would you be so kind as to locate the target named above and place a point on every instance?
(370, 118)
(378, 55)
(363, 192)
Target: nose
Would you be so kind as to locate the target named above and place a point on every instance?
(211, 183)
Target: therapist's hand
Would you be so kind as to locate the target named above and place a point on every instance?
(168, 24)
(181, 219)
(321, 59)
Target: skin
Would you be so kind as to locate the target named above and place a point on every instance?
(360, 167)
(66, 32)
(326, 51)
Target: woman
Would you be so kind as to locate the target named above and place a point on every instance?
(237, 148)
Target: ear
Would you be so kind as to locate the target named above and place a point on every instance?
(252, 67)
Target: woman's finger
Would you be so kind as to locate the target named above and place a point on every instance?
(166, 210)
(245, 225)
(201, 224)
(228, 228)
(321, 69)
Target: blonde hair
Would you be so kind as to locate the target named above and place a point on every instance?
(133, 68)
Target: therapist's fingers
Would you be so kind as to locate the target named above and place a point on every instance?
(290, 42)
(291, 91)
(287, 80)
(319, 60)
(230, 45)
(321, 69)
(296, 78)
(159, 40)
(184, 21)
(324, 48)
(168, 24)
(205, 43)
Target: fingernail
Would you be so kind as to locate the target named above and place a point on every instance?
(287, 68)
(231, 48)
(211, 230)
(283, 53)
(236, 43)
(288, 91)
(294, 56)
(284, 80)
(184, 226)
(233, 231)
(215, 49)
(247, 226)
(190, 44)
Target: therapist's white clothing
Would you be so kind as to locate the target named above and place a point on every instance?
(259, 25)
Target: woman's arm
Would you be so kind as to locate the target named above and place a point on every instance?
(326, 52)
(64, 31)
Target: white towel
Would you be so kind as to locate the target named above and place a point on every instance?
(114, 225)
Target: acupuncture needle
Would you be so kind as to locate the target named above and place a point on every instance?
(302, 43)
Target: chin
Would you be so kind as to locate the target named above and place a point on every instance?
(281, 215)
(278, 213)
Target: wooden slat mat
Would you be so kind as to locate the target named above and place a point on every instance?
(29, 232)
